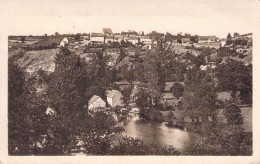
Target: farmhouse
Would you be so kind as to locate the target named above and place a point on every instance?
(96, 103)
(133, 40)
(97, 38)
(109, 38)
(185, 40)
(118, 38)
(146, 40)
(207, 39)
(114, 98)
(64, 42)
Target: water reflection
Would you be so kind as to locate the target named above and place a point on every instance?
(157, 134)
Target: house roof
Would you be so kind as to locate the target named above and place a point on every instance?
(107, 31)
(112, 93)
(119, 36)
(207, 38)
(144, 37)
(185, 39)
(168, 96)
(136, 82)
(132, 38)
(124, 82)
(109, 37)
(97, 35)
(168, 85)
(223, 39)
(93, 99)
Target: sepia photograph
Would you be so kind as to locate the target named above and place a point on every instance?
(129, 78)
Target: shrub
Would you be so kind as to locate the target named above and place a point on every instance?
(233, 115)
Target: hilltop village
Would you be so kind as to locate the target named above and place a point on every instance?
(197, 83)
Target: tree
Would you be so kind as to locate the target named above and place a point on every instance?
(57, 34)
(199, 60)
(77, 37)
(200, 98)
(26, 113)
(131, 146)
(23, 39)
(177, 90)
(229, 36)
(144, 101)
(68, 83)
(98, 75)
(168, 37)
(126, 95)
(170, 118)
(236, 34)
(233, 115)
(235, 76)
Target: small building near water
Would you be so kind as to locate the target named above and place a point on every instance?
(114, 98)
(96, 103)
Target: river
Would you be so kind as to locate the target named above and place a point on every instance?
(159, 134)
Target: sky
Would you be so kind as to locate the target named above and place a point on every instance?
(211, 17)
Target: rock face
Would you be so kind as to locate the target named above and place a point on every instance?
(32, 61)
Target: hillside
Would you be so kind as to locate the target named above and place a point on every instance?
(34, 60)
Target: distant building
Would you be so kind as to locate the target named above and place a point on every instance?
(136, 84)
(109, 38)
(118, 38)
(97, 38)
(107, 31)
(122, 84)
(114, 98)
(223, 42)
(207, 39)
(64, 42)
(185, 40)
(96, 103)
(145, 40)
(249, 35)
(85, 37)
(208, 44)
(49, 111)
(133, 40)
(224, 96)
(169, 99)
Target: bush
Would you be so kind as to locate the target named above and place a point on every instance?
(233, 115)
(131, 146)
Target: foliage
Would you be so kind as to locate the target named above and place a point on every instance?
(98, 75)
(68, 83)
(235, 76)
(126, 95)
(23, 39)
(200, 97)
(170, 118)
(131, 146)
(177, 90)
(143, 101)
(26, 117)
(233, 115)
(77, 37)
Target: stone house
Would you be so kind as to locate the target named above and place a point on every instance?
(114, 98)
(96, 103)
